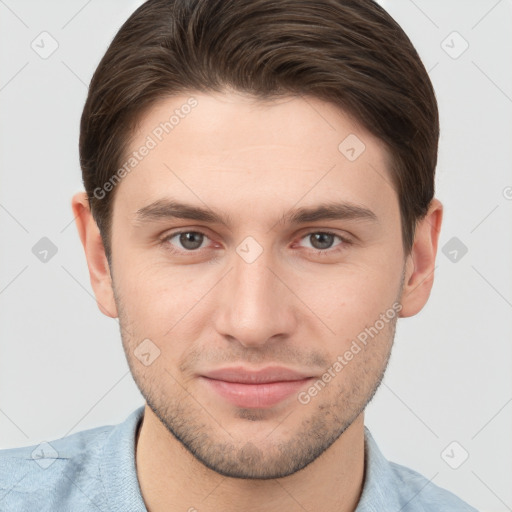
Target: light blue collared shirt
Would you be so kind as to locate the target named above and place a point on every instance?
(94, 470)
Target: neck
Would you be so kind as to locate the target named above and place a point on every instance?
(172, 479)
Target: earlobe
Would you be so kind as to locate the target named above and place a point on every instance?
(99, 271)
(420, 264)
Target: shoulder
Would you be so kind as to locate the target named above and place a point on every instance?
(422, 495)
(389, 486)
(48, 475)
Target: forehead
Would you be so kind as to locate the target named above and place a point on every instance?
(230, 150)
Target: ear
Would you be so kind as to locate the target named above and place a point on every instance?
(97, 262)
(420, 263)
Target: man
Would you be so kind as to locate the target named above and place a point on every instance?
(259, 211)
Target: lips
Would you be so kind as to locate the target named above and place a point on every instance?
(261, 376)
(250, 388)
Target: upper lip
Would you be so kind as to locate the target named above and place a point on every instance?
(255, 376)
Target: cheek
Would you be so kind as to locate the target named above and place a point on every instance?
(156, 298)
(172, 307)
(347, 299)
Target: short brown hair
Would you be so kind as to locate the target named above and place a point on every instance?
(350, 53)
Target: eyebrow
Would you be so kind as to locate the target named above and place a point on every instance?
(167, 209)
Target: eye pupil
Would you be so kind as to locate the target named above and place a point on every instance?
(320, 237)
(187, 240)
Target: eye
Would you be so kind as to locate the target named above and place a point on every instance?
(189, 240)
(322, 241)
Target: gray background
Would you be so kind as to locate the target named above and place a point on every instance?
(62, 367)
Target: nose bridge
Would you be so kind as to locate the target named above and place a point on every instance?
(254, 280)
(256, 304)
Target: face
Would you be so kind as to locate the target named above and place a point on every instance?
(256, 321)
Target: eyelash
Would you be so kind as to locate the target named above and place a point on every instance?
(339, 247)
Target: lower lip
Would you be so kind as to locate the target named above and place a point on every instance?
(256, 395)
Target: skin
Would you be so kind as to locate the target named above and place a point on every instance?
(299, 304)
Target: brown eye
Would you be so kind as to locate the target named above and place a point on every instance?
(323, 240)
(187, 240)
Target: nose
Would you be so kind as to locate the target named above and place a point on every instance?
(256, 306)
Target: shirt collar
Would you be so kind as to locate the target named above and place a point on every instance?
(379, 489)
(118, 472)
(118, 469)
